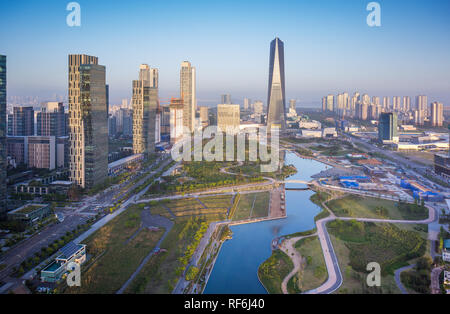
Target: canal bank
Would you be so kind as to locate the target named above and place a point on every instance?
(236, 267)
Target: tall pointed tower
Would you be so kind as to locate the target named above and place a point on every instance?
(276, 100)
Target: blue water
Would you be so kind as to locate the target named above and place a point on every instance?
(235, 271)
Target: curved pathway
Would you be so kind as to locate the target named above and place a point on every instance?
(288, 247)
(335, 279)
(398, 280)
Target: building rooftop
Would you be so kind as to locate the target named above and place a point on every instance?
(447, 244)
(69, 250)
(26, 209)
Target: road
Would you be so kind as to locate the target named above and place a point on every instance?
(334, 280)
(73, 217)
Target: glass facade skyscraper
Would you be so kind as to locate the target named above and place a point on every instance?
(387, 127)
(145, 104)
(88, 121)
(3, 208)
(276, 100)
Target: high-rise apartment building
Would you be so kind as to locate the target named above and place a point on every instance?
(204, 116)
(3, 129)
(228, 118)
(247, 103)
(51, 120)
(406, 104)
(330, 103)
(225, 99)
(188, 94)
(145, 104)
(421, 109)
(88, 121)
(22, 122)
(176, 120)
(386, 103)
(396, 103)
(437, 114)
(276, 100)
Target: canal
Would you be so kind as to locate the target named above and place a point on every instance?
(236, 267)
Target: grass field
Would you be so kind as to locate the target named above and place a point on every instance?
(314, 271)
(357, 244)
(216, 206)
(113, 258)
(274, 270)
(161, 273)
(367, 207)
(253, 205)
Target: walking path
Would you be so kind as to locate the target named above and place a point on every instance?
(288, 247)
(334, 280)
(397, 276)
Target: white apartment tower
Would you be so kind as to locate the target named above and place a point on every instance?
(188, 94)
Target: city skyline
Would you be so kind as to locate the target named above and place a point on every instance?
(359, 58)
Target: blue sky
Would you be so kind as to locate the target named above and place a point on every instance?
(328, 46)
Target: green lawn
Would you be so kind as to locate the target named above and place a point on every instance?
(356, 244)
(367, 207)
(314, 271)
(253, 205)
(161, 273)
(113, 258)
(274, 270)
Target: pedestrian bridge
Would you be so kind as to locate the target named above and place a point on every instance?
(295, 181)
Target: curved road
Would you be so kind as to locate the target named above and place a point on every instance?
(334, 280)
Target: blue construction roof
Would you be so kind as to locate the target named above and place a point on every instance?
(70, 249)
(447, 244)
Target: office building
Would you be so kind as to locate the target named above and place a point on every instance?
(387, 128)
(188, 94)
(88, 121)
(276, 99)
(145, 103)
(225, 99)
(42, 152)
(17, 150)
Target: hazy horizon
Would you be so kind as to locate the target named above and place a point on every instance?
(328, 47)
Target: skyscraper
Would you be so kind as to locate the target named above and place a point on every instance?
(3, 208)
(188, 94)
(145, 103)
(276, 99)
(387, 127)
(88, 121)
